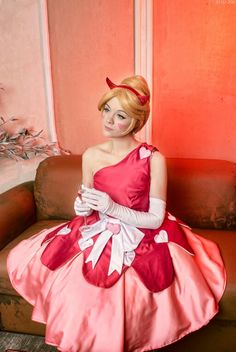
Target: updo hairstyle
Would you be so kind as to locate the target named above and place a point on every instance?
(130, 102)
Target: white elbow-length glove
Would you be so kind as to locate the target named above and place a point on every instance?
(103, 203)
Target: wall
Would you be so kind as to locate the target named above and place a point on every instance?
(21, 65)
(195, 78)
(22, 75)
(194, 72)
(89, 40)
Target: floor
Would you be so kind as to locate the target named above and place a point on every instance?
(27, 343)
(218, 336)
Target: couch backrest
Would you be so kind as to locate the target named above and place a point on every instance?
(201, 192)
(56, 184)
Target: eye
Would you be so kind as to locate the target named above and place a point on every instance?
(121, 117)
(106, 108)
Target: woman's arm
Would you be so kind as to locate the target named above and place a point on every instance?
(80, 207)
(158, 187)
(87, 171)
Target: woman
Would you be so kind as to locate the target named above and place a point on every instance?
(135, 278)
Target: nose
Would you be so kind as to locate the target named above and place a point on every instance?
(110, 118)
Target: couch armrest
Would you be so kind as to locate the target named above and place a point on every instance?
(17, 211)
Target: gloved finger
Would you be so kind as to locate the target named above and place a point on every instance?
(92, 206)
(87, 190)
(87, 197)
(78, 199)
(81, 213)
(89, 194)
(91, 202)
(80, 204)
(85, 207)
(93, 191)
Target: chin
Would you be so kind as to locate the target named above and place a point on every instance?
(107, 134)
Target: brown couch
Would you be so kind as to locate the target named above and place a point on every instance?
(200, 192)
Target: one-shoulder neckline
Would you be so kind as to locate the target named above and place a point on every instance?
(122, 160)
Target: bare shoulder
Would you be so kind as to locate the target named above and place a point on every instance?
(158, 165)
(158, 176)
(87, 154)
(94, 152)
(158, 160)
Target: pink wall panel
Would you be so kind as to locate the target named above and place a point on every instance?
(194, 105)
(21, 66)
(89, 40)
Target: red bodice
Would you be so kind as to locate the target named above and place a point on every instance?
(127, 182)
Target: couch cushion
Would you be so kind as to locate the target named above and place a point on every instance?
(5, 285)
(56, 185)
(226, 241)
(202, 192)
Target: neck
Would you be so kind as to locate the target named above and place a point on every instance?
(122, 145)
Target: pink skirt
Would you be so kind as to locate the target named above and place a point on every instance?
(126, 317)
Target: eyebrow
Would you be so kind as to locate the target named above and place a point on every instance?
(118, 110)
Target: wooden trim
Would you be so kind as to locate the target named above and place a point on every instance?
(46, 60)
(143, 43)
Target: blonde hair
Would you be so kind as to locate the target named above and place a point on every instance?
(130, 102)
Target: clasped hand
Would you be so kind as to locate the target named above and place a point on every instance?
(102, 202)
(96, 200)
(81, 208)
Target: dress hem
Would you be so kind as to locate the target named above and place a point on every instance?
(144, 349)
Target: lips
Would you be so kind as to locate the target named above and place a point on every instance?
(108, 128)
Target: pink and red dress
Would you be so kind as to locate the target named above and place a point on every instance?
(117, 287)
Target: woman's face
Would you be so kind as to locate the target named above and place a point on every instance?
(115, 120)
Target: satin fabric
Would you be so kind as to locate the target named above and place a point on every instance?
(172, 288)
(152, 260)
